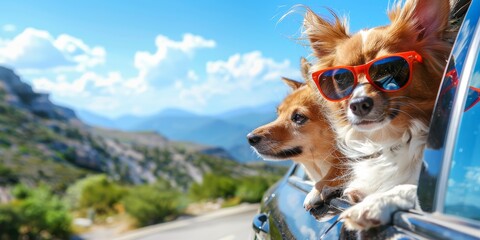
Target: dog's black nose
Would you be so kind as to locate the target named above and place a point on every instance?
(361, 106)
(253, 139)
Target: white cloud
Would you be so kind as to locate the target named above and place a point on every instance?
(9, 28)
(109, 94)
(248, 66)
(37, 50)
(465, 188)
(77, 51)
(160, 75)
(165, 77)
(88, 84)
(451, 182)
(192, 75)
(251, 68)
(102, 104)
(472, 175)
(306, 231)
(240, 73)
(171, 61)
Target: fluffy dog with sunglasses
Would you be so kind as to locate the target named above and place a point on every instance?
(380, 85)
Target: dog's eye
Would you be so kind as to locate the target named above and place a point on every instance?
(299, 118)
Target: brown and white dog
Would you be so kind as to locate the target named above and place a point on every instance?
(383, 129)
(302, 133)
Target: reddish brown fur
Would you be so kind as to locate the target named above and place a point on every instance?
(333, 46)
(388, 136)
(315, 136)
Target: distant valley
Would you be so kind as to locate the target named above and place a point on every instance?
(227, 130)
(54, 167)
(43, 142)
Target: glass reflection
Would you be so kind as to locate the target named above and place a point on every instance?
(463, 193)
(434, 151)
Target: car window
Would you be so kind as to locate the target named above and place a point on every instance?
(431, 186)
(300, 173)
(463, 191)
(436, 139)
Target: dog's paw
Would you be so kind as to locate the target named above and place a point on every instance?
(353, 195)
(371, 212)
(377, 209)
(312, 200)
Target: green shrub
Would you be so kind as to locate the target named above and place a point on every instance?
(21, 192)
(9, 222)
(150, 204)
(7, 176)
(44, 213)
(37, 214)
(213, 187)
(244, 189)
(96, 192)
(251, 189)
(231, 202)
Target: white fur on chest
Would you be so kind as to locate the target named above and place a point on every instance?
(400, 161)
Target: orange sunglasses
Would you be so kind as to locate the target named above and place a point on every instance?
(389, 73)
(451, 83)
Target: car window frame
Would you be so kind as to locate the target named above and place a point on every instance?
(300, 183)
(437, 157)
(457, 112)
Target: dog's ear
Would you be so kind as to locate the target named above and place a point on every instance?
(292, 83)
(305, 68)
(323, 35)
(426, 18)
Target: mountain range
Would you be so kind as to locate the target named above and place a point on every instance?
(227, 130)
(41, 142)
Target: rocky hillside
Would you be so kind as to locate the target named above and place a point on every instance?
(43, 142)
(227, 130)
(20, 95)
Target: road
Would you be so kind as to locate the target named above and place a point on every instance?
(228, 224)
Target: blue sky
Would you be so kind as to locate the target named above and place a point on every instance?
(125, 57)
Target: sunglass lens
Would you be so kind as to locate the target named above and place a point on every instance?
(390, 73)
(336, 83)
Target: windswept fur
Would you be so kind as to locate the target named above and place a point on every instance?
(386, 151)
(302, 133)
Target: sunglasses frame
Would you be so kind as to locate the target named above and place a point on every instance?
(476, 100)
(409, 56)
(453, 77)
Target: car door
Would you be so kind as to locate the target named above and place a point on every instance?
(449, 187)
(283, 215)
